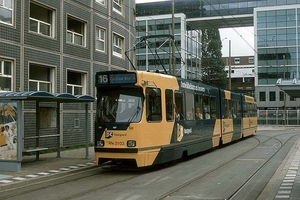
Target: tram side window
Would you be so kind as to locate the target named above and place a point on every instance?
(239, 109)
(153, 104)
(169, 105)
(189, 99)
(250, 110)
(226, 112)
(179, 106)
(199, 107)
(246, 110)
(207, 107)
(213, 108)
(234, 108)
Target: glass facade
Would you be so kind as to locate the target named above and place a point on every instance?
(277, 44)
(208, 8)
(187, 50)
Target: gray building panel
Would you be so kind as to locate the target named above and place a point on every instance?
(74, 129)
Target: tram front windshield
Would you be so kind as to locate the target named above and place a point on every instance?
(122, 105)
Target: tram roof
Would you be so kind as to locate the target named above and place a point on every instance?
(291, 87)
(46, 96)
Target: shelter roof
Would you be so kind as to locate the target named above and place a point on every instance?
(291, 87)
(46, 96)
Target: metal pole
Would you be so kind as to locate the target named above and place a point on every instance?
(58, 130)
(284, 97)
(170, 50)
(229, 65)
(173, 43)
(86, 132)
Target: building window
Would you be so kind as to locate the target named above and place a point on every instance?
(281, 96)
(236, 60)
(100, 39)
(41, 20)
(6, 11)
(272, 96)
(5, 75)
(76, 83)
(251, 60)
(41, 78)
(101, 1)
(117, 6)
(262, 96)
(76, 31)
(118, 45)
(292, 99)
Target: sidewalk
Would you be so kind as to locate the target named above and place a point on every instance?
(48, 164)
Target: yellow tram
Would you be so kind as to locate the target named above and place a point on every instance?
(146, 118)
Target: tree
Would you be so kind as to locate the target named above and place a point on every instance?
(213, 68)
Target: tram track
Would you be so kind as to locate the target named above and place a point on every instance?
(231, 197)
(258, 170)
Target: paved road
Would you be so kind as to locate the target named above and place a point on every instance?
(214, 175)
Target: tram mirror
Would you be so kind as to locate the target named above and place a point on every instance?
(155, 92)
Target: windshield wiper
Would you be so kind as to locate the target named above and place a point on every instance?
(103, 116)
(134, 114)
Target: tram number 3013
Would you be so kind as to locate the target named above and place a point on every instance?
(117, 143)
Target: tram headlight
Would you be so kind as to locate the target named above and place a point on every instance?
(100, 143)
(131, 143)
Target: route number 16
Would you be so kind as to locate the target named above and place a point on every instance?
(102, 79)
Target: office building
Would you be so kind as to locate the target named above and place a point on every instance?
(242, 73)
(187, 46)
(58, 46)
(276, 25)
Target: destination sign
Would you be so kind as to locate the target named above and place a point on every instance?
(191, 86)
(122, 78)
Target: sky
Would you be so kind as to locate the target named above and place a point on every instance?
(242, 39)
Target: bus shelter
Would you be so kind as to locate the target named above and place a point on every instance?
(11, 124)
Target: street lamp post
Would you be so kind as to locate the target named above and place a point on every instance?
(284, 97)
(229, 66)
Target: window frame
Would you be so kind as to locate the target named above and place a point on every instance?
(3, 75)
(50, 82)
(272, 96)
(40, 22)
(262, 96)
(103, 3)
(9, 9)
(118, 4)
(98, 39)
(83, 81)
(74, 34)
(237, 60)
(121, 47)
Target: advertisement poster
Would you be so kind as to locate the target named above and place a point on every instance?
(8, 131)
